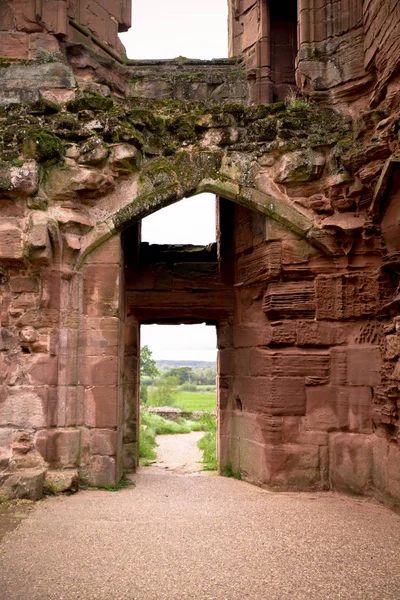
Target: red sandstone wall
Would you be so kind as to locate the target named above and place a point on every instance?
(25, 33)
(29, 28)
(382, 47)
(346, 47)
(302, 384)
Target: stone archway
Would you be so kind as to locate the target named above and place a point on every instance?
(307, 288)
(107, 278)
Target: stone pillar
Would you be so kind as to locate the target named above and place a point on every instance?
(132, 394)
(100, 368)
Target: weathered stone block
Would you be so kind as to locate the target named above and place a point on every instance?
(6, 436)
(7, 15)
(101, 290)
(262, 264)
(392, 347)
(271, 395)
(25, 17)
(100, 406)
(57, 482)
(289, 364)
(290, 299)
(295, 431)
(316, 333)
(60, 448)
(44, 370)
(10, 240)
(24, 284)
(332, 408)
(124, 158)
(103, 441)
(280, 333)
(98, 371)
(102, 471)
(248, 458)
(23, 407)
(363, 365)
(25, 483)
(292, 466)
(301, 166)
(386, 470)
(347, 296)
(14, 44)
(350, 462)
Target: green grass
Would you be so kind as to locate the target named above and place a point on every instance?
(190, 401)
(124, 483)
(208, 443)
(229, 472)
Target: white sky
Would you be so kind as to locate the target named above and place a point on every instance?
(171, 28)
(190, 221)
(180, 342)
(167, 29)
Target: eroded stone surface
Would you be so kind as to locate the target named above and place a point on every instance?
(304, 283)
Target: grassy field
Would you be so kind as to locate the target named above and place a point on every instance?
(190, 401)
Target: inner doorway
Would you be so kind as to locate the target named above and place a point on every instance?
(178, 397)
(173, 284)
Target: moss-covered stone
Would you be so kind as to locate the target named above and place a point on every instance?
(44, 107)
(46, 147)
(260, 111)
(94, 102)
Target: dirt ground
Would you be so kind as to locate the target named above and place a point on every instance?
(177, 535)
(12, 513)
(179, 453)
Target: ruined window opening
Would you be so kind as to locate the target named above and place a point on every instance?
(166, 30)
(190, 221)
(284, 45)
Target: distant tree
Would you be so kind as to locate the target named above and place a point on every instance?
(148, 366)
(183, 373)
(148, 369)
(163, 393)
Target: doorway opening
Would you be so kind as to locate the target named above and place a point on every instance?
(176, 284)
(178, 395)
(283, 27)
(162, 30)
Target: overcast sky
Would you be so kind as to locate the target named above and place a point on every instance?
(167, 29)
(171, 28)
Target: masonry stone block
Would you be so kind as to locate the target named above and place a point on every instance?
(101, 406)
(363, 366)
(6, 436)
(14, 44)
(10, 240)
(98, 371)
(103, 441)
(101, 284)
(292, 466)
(271, 395)
(60, 448)
(331, 408)
(23, 406)
(289, 364)
(57, 482)
(350, 462)
(102, 471)
(25, 483)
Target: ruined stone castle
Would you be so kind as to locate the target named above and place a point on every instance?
(297, 134)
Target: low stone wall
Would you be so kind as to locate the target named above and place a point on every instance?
(175, 414)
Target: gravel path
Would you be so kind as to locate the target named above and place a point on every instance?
(192, 537)
(179, 453)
